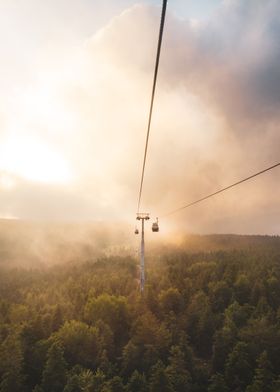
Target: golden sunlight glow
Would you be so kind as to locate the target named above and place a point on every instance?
(6, 181)
(42, 105)
(33, 161)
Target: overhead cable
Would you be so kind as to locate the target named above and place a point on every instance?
(221, 190)
(164, 6)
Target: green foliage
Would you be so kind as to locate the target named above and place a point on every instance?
(201, 323)
(114, 385)
(208, 321)
(84, 380)
(80, 342)
(217, 384)
(98, 380)
(220, 295)
(37, 389)
(171, 301)
(264, 377)
(242, 289)
(11, 364)
(113, 311)
(54, 374)
(178, 375)
(150, 340)
(137, 382)
(238, 370)
(73, 384)
(159, 380)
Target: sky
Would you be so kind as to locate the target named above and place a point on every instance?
(75, 85)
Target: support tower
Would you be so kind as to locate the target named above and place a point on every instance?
(142, 217)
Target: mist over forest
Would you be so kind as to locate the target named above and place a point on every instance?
(38, 244)
(43, 244)
(72, 318)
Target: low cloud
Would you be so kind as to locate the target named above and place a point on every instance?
(216, 120)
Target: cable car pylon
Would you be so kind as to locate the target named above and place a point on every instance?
(155, 228)
(142, 217)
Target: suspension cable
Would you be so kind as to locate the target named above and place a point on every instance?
(164, 6)
(221, 190)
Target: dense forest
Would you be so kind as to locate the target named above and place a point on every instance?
(209, 320)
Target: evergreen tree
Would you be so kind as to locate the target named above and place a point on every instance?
(137, 382)
(105, 365)
(57, 319)
(38, 389)
(80, 342)
(238, 369)
(11, 382)
(84, 380)
(113, 385)
(178, 375)
(54, 374)
(159, 381)
(276, 385)
(73, 384)
(223, 343)
(98, 380)
(242, 289)
(30, 334)
(217, 384)
(87, 381)
(11, 365)
(263, 378)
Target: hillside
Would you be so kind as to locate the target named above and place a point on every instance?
(208, 321)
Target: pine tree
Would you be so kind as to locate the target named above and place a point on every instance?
(137, 382)
(37, 389)
(98, 380)
(87, 380)
(113, 385)
(54, 374)
(238, 369)
(57, 319)
(159, 381)
(276, 385)
(11, 382)
(73, 384)
(178, 375)
(116, 384)
(263, 378)
(11, 365)
(217, 384)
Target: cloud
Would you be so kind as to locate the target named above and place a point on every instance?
(215, 121)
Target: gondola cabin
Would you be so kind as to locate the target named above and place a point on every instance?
(155, 227)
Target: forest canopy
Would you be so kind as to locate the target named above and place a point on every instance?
(208, 321)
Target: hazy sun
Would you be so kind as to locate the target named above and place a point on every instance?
(34, 161)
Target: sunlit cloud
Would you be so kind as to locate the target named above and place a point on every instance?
(7, 182)
(33, 161)
(79, 122)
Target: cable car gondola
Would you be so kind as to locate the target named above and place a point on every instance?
(155, 227)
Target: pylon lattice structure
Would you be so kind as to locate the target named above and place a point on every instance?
(142, 217)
